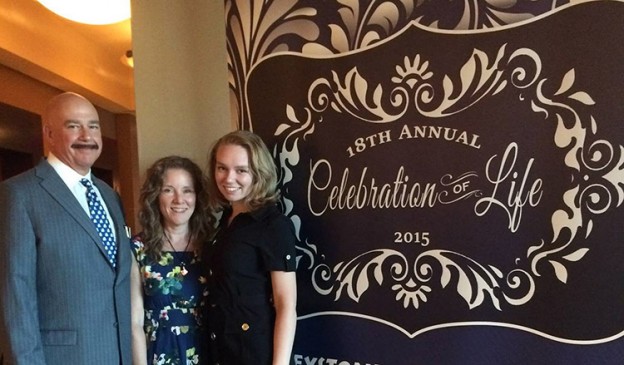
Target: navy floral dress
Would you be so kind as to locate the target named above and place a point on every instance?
(173, 292)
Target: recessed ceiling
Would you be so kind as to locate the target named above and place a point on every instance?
(52, 43)
(96, 12)
(116, 37)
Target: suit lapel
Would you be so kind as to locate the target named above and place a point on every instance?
(54, 185)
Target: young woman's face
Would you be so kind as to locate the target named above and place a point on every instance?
(177, 197)
(233, 175)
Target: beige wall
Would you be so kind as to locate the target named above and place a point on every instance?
(181, 85)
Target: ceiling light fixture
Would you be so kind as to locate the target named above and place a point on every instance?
(95, 12)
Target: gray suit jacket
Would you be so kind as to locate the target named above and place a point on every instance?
(61, 301)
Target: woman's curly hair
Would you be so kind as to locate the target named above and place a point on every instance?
(262, 167)
(201, 223)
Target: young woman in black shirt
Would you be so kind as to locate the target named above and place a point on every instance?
(251, 262)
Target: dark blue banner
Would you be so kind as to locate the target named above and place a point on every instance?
(457, 193)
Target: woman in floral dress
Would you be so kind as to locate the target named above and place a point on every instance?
(167, 286)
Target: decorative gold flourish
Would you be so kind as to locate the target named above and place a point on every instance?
(258, 28)
(597, 188)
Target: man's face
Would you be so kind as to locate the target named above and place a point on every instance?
(74, 135)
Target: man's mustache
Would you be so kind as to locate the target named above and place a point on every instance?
(80, 146)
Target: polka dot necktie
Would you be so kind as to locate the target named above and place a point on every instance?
(100, 220)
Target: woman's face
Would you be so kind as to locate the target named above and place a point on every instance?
(233, 175)
(177, 198)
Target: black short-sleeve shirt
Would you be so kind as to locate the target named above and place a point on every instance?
(240, 259)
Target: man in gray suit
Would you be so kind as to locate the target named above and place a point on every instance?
(63, 298)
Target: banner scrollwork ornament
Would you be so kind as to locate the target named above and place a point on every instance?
(595, 166)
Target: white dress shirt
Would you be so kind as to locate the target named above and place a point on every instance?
(71, 178)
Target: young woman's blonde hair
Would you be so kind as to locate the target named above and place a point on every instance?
(261, 165)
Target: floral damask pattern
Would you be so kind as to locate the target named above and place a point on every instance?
(259, 29)
(256, 29)
(596, 161)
